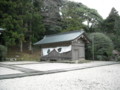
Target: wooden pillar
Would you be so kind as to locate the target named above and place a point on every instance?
(41, 52)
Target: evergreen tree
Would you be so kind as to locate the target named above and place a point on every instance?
(51, 13)
(75, 14)
(101, 47)
(22, 20)
(9, 20)
(109, 23)
(111, 26)
(116, 38)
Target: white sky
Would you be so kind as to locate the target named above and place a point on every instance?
(102, 6)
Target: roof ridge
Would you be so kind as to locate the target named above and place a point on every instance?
(65, 33)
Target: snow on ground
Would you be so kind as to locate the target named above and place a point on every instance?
(4, 71)
(98, 78)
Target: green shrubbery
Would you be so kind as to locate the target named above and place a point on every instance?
(3, 52)
(103, 47)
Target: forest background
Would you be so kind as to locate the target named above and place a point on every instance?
(27, 21)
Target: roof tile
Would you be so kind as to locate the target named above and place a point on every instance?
(62, 37)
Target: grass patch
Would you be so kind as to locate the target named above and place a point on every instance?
(18, 56)
(29, 57)
(24, 57)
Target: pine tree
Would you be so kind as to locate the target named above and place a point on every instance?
(116, 37)
(111, 26)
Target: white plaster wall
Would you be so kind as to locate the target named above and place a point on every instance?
(63, 49)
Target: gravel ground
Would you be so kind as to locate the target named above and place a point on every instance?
(19, 62)
(54, 66)
(4, 71)
(99, 78)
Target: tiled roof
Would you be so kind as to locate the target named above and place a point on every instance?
(62, 37)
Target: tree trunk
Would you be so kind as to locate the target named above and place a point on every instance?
(88, 24)
(21, 46)
(30, 42)
(30, 46)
